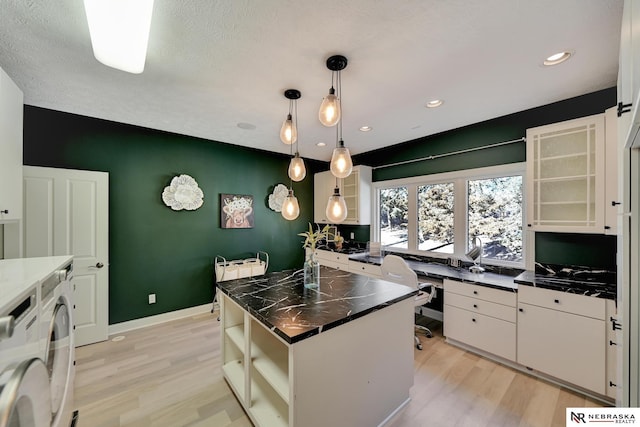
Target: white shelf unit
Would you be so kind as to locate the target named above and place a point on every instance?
(566, 176)
(309, 383)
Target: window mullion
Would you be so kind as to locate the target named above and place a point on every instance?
(412, 216)
(460, 218)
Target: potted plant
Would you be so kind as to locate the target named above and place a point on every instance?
(311, 265)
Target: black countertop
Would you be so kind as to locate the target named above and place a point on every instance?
(280, 301)
(440, 271)
(596, 285)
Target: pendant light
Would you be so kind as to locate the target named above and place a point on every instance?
(289, 130)
(341, 164)
(330, 109)
(290, 207)
(297, 170)
(336, 207)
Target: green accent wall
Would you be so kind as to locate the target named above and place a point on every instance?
(591, 250)
(153, 249)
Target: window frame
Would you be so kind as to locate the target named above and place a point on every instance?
(460, 180)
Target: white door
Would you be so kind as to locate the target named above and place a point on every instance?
(66, 212)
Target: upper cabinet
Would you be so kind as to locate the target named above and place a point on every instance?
(566, 176)
(629, 75)
(356, 190)
(11, 112)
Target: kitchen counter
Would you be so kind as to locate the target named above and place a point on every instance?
(441, 271)
(299, 357)
(18, 276)
(594, 287)
(280, 301)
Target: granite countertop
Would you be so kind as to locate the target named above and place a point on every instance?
(18, 276)
(594, 283)
(441, 271)
(280, 301)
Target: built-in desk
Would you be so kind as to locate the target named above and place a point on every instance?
(341, 355)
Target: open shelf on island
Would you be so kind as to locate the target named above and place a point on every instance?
(267, 408)
(270, 357)
(236, 335)
(234, 372)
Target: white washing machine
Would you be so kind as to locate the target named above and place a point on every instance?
(25, 396)
(57, 344)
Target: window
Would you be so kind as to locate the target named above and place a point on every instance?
(438, 215)
(495, 216)
(393, 214)
(435, 217)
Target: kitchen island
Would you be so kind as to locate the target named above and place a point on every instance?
(340, 355)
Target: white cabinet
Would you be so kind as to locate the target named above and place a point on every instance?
(563, 335)
(332, 259)
(613, 345)
(11, 112)
(371, 270)
(481, 317)
(612, 202)
(356, 190)
(566, 176)
(629, 74)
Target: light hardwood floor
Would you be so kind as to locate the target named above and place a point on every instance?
(169, 376)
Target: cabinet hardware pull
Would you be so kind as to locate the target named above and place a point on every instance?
(623, 108)
(475, 305)
(473, 320)
(614, 203)
(612, 384)
(615, 326)
(475, 292)
(612, 343)
(521, 310)
(606, 227)
(6, 211)
(557, 301)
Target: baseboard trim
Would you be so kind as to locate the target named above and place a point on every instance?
(131, 325)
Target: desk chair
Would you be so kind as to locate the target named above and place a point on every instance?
(395, 269)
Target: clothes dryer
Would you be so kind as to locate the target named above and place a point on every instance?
(24, 392)
(58, 343)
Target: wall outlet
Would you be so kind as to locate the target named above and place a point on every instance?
(454, 262)
(352, 235)
(152, 298)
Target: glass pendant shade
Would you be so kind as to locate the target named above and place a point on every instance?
(290, 207)
(119, 31)
(329, 113)
(297, 171)
(341, 164)
(288, 132)
(336, 208)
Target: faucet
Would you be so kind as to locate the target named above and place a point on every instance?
(476, 253)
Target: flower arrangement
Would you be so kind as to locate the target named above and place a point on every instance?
(311, 237)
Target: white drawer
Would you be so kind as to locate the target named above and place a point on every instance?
(332, 256)
(483, 332)
(475, 305)
(364, 268)
(506, 297)
(563, 301)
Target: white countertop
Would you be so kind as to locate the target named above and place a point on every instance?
(18, 276)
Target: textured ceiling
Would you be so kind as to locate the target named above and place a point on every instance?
(212, 65)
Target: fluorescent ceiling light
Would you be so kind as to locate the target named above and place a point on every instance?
(120, 32)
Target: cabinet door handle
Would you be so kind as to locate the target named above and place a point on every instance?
(623, 108)
(521, 310)
(612, 343)
(614, 203)
(475, 305)
(612, 384)
(473, 320)
(557, 301)
(475, 292)
(5, 211)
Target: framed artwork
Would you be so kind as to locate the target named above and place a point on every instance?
(236, 211)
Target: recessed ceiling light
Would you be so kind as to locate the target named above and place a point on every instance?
(365, 128)
(434, 103)
(321, 144)
(246, 126)
(557, 58)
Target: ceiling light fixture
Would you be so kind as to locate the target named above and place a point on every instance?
(330, 109)
(321, 144)
(341, 164)
(557, 58)
(297, 170)
(365, 128)
(336, 207)
(119, 32)
(289, 130)
(434, 103)
(290, 207)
